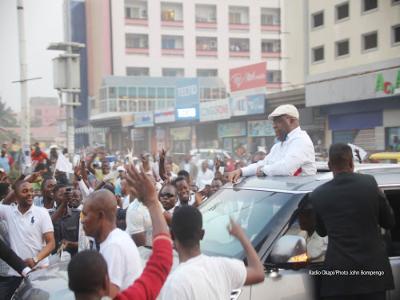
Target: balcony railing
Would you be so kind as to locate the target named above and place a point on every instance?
(206, 25)
(268, 54)
(242, 27)
(173, 52)
(239, 53)
(209, 53)
(176, 24)
(137, 22)
(273, 28)
(142, 51)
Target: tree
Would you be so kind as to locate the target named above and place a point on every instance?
(7, 120)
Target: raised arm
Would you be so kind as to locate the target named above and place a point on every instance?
(255, 269)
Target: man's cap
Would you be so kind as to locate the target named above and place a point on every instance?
(286, 109)
(121, 169)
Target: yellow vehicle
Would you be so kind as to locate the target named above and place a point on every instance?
(385, 157)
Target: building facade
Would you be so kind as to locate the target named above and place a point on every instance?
(354, 70)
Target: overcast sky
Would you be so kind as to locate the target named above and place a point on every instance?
(43, 25)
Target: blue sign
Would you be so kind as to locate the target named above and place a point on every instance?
(255, 104)
(187, 99)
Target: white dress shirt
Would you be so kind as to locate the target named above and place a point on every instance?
(204, 178)
(286, 157)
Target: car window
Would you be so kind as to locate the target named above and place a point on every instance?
(253, 210)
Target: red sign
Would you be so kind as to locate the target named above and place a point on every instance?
(248, 77)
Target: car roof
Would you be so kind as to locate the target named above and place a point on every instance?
(386, 176)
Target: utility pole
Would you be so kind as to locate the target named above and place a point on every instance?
(25, 105)
(67, 75)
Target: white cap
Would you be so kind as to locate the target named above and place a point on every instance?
(286, 109)
(121, 168)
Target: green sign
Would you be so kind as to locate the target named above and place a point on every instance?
(386, 86)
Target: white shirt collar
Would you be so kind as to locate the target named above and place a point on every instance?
(29, 211)
(294, 132)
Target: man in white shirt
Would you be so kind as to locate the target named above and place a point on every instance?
(199, 276)
(138, 223)
(118, 249)
(29, 229)
(205, 176)
(292, 155)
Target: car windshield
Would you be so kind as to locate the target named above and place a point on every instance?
(253, 210)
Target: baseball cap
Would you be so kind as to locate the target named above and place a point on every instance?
(286, 109)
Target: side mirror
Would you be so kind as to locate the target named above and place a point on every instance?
(289, 249)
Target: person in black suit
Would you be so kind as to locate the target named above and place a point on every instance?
(12, 259)
(350, 210)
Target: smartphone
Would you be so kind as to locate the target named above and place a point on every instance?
(68, 189)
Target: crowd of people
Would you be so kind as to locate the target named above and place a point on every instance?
(101, 213)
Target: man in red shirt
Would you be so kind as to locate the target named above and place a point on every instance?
(38, 155)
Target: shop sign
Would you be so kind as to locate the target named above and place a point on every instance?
(387, 87)
(187, 99)
(180, 133)
(248, 77)
(215, 110)
(144, 119)
(164, 116)
(260, 128)
(232, 129)
(128, 120)
(248, 105)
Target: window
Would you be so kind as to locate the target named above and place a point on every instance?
(136, 71)
(239, 45)
(206, 13)
(368, 5)
(207, 72)
(137, 40)
(274, 76)
(238, 15)
(396, 34)
(171, 11)
(173, 72)
(342, 48)
(342, 11)
(270, 16)
(370, 41)
(317, 19)
(171, 42)
(136, 10)
(318, 54)
(206, 43)
(270, 46)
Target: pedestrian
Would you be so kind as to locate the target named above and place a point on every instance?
(87, 271)
(118, 249)
(38, 155)
(30, 233)
(350, 209)
(189, 166)
(203, 277)
(4, 161)
(204, 176)
(292, 155)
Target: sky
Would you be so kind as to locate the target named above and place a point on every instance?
(43, 25)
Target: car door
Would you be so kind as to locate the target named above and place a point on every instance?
(285, 284)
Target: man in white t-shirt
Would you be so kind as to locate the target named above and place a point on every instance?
(199, 276)
(118, 249)
(205, 176)
(29, 229)
(138, 223)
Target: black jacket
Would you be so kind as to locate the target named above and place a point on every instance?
(350, 208)
(12, 259)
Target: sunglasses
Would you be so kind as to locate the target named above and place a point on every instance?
(167, 195)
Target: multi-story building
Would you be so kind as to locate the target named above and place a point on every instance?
(354, 70)
(190, 39)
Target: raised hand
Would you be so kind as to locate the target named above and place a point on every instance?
(141, 185)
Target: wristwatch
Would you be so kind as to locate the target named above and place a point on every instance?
(35, 260)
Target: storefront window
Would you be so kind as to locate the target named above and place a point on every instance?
(152, 93)
(170, 93)
(122, 92)
(132, 92)
(142, 92)
(112, 92)
(393, 139)
(133, 106)
(161, 92)
(112, 105)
